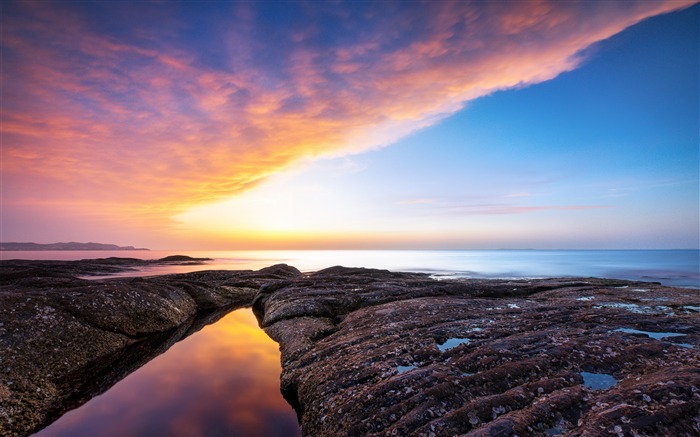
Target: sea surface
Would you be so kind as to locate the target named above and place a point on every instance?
(680, 268)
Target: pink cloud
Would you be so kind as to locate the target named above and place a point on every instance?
(139, 123)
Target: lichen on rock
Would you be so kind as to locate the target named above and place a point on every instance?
(345, 335)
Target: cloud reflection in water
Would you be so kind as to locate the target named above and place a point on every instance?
(223, 380)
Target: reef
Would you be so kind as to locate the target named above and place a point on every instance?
(372, 352)
(20, 268)
(64, 340)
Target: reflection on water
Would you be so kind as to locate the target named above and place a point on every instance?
(221, 381)
(452, 343)
(598, 381)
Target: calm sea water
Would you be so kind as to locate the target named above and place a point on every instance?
(670, 267)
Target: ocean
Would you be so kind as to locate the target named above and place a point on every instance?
(680, 268)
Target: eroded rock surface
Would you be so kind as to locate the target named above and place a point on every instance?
(64, 340)
(369, 352)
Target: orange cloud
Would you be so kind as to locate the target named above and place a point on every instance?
(138, 122)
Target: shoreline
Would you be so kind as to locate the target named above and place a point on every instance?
(361, 348)
(58, 333)
(676, 268)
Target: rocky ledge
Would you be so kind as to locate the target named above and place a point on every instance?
(372, 352)
(369, 352)
(20, 268)
(64, 340)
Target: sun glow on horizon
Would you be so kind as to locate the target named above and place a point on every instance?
(270, 125)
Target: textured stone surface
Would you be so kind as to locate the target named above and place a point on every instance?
(367, 352)
(64, 340)
(361, 356)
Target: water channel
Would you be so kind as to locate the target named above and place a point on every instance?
(220, 381)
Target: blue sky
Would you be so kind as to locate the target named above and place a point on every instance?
(604, 156)
(468, 125)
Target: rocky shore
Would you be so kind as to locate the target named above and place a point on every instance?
(368, 352)
(371, 352)
(64, 340)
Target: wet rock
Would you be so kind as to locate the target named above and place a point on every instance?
(182, 258)
(28, 269)
(65, 339)
(360, 355)
(371, 352)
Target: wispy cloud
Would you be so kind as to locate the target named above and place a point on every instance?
(139, 117)
(499, 205)
(420, 201)
(499, 209)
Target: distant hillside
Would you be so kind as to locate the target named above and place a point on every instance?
(64, 246)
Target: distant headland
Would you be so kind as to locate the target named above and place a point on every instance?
(64, 246)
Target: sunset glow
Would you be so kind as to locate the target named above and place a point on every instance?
(226, 125)
(221, 380)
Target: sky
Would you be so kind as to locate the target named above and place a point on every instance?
(351, 125)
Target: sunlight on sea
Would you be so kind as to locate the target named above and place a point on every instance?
(670, 267)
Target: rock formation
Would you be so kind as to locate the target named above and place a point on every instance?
(64, 340)
(368, 352)
(371, 352)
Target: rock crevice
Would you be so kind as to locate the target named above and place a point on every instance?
(64, 340)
